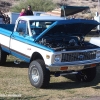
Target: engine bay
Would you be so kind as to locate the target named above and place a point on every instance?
(63, 42)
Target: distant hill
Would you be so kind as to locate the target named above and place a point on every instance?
(93, 4)
(5, 5)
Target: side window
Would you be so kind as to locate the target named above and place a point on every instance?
(37, 27)
(22, 27)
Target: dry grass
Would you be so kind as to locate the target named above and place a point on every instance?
(14, 81)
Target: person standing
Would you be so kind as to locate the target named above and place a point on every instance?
(7, 19)
(29, 11)
(23, 12)
(1, 18)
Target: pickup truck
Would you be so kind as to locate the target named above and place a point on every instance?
(52, 46)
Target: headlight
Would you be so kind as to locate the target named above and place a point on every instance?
(57, 58)
(98, 54)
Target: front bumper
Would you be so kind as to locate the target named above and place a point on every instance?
(73, 66)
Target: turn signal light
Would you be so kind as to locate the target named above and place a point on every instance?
(63, 68)
(92, 65)
(47, 56)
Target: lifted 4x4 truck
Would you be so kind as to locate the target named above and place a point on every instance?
(51, 45)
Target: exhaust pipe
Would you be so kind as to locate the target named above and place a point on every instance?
(68, 73)
(62, 74)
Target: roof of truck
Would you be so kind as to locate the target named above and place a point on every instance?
(41, 18)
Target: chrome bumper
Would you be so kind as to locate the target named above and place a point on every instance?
(73, 66)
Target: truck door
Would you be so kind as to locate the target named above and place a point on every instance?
(19, 44)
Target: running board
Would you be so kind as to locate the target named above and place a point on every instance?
(68, 73)
(63, 73)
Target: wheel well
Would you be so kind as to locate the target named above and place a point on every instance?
(35, 56)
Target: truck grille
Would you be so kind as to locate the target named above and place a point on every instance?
(78, 56)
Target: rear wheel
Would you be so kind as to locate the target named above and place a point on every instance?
(86, 75)
(39, 76)
(3, 56)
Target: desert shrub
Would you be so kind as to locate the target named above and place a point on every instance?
(37, 5)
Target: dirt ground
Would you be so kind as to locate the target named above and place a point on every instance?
(15, 85)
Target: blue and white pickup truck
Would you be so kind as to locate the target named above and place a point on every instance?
(51, 45)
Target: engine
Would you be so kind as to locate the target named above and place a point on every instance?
(65, 42)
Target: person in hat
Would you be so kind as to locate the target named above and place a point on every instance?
(29, 11)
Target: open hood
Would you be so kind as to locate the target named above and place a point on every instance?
(73, 27)
(70, 10)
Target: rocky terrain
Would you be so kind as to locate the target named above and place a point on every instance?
(94, 5)
(5, 5)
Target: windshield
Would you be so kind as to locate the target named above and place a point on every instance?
(38, 27)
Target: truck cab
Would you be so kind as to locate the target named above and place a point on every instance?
(30, 22)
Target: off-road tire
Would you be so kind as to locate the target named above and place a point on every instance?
(39, 76)
(86, 75)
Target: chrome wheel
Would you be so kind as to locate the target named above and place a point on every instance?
(35, 75)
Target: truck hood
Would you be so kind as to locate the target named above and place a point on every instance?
(72, 27)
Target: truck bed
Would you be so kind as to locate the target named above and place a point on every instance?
(6, 29)
(9, 27)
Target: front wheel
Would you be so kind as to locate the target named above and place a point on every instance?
(39, 76)
(86, 75)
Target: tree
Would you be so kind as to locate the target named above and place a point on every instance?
(37, 5)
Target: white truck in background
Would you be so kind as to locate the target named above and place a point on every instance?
(13, 15)
(97, 18)
(1, 20)
(96, 40)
